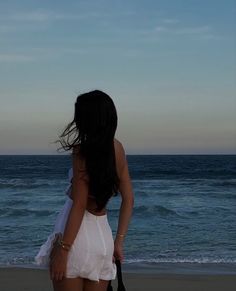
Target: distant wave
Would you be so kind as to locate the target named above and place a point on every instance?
(13, 212)
(223, 183)
(27, 261)
(14, 202)
(151, 210)
(30, 184)
(154, 209)
(182, 260)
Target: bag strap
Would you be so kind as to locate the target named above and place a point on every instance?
(121, 286)
(109, 287)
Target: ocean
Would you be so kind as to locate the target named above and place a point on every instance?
(184, 215)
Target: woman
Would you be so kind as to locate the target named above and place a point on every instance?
(82, 252)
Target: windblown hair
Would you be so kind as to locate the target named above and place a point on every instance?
(93, 129)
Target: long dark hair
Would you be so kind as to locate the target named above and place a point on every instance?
(93, 129)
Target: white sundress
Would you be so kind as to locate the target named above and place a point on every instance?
(91, 253)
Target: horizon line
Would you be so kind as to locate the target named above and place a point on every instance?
(141, 154)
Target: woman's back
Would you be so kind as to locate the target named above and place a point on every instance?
(120, 160)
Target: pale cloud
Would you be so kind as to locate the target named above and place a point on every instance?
(193, 30)
(211, 36)
(183, 30)
(19, 27)
(39, 19)
(164, 30)
(35, 16)
(41, 54)
(170, 21)
(44, 15)
(160, 28)
(15, 58)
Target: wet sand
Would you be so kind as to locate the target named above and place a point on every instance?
(25, 279)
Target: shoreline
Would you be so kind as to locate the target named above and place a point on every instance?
(162, 268)
(38, 280)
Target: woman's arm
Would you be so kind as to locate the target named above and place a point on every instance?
(79, 195)
(127, 203)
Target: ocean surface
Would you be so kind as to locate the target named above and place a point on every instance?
(184, 215)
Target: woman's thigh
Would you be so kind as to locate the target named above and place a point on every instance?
(95, 286)
(68, 284)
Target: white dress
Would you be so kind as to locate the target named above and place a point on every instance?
(91, 253)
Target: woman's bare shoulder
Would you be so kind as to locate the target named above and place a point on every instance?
(120, 155)
(119, 149)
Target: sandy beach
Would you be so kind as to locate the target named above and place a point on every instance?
(24, 279)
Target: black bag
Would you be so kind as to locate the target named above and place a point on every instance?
(121, 286)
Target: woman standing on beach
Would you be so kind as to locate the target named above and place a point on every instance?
(83, 257)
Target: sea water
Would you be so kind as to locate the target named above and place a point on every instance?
(184, 214)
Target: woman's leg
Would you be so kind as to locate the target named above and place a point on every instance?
(95, 286)
(68, 284)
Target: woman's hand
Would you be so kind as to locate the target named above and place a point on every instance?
(58, 261)
(118, 250)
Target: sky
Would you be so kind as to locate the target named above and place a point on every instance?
(169, 66)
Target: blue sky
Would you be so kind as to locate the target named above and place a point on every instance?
(170, 67)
